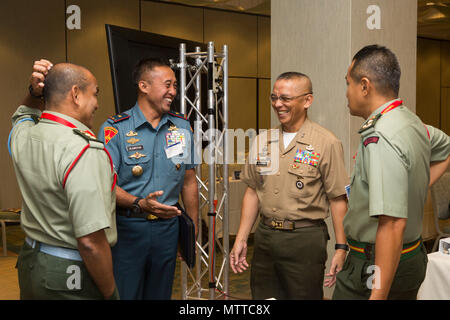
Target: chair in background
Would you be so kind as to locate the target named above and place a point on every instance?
(10, 215)
(440, 197)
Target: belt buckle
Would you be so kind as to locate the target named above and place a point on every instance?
(151, 217)
(277, 224)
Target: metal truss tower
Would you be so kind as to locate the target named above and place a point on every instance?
(206, 277)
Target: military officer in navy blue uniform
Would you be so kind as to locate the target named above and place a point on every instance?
(151, 151)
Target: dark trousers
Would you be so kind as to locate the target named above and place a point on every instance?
(46, 277)
(289, 264)
(351, 282)
(144, 258)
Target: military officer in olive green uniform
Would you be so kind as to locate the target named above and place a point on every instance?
(294, 174)
(389, 184)
(67, 182)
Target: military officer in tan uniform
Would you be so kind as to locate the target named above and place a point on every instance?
(389, 184)
(294, 174)
(67, 183)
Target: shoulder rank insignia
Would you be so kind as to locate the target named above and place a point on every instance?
(87, 135)
(370, 123)
(119, 117)
(109, 132)
(177, 114)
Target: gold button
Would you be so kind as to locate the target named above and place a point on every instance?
(137, 171)
(278, 173)
(276, 191)
(274, 209)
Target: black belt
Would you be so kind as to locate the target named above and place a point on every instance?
(130, 214)
(289, 225)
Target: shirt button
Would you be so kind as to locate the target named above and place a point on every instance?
(283, 156)
(274, 209)
(278, 173)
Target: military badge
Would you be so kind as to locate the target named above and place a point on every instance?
(137, 155)
(133, 140)
(110, 133)
(175, 137)
(131, 133)
(307, 157)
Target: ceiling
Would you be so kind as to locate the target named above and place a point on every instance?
(433, 17)
(261, 7)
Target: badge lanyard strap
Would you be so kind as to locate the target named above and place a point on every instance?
(392, 106)
(62, 121)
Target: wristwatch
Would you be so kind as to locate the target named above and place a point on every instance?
(30, 88)
(341, 246)
(136, 208)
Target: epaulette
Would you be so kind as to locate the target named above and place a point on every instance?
(119, 117)
(35, 118)
(370, 123)
(86, 135)
(177, 114)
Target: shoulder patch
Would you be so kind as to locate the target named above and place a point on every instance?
(86, 135)
(178, 115)
(110, 132)
(119, 117)
(369, 140)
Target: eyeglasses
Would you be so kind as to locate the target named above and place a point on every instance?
(274, 98)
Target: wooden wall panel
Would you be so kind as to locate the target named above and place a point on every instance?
(428, 81)
(26, 35)
(264, 105)
(172, 20)
(88, 46)
(445, 63)
(263, 47)
(239, 32)
(445, 110)
(242, 103)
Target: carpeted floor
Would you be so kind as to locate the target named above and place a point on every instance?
(239, 285)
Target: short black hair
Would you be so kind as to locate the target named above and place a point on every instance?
(295, 75)
(380, 66)
(60, 80)
(147, 64)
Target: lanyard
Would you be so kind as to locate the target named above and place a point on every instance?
(392, 106)
(62, 121)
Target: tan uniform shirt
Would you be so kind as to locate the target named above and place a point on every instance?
(296, 182)
(59, 207)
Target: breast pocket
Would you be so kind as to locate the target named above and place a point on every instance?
(261, 175)
(134, 168)
(301, 180)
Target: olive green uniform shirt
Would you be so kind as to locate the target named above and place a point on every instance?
(296, 182)
(42, 154)
(392, 172)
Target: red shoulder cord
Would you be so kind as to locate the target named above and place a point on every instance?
(66, 123)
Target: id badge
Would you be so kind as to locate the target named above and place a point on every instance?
(174, 150)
